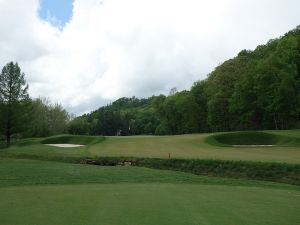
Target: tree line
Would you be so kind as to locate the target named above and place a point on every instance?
(256, 90)
(22, 116)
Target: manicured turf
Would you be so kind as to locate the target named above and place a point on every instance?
(193, 146)
(180, 146)
(143, 204)
(46, 192)
(35, 192)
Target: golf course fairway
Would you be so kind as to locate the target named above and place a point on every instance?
(39, 192)
(197, 146)
(150, 203)
(45, 185)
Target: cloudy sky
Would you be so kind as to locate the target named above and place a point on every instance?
(86, 53)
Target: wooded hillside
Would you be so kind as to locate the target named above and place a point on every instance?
(256, 90)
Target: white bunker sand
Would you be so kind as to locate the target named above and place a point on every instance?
(65, 145)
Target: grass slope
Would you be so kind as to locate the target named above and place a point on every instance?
(35, 148)
(73, 139)
(20, 172)
(195, 146)
(46, 192)
(253, 138)
(81, 194)
(180, 146)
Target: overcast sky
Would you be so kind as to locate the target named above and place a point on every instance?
(95, 51)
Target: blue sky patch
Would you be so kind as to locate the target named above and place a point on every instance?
(57, 12)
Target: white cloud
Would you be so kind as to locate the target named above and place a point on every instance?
(115, 48)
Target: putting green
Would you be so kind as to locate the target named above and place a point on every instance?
(147, 204)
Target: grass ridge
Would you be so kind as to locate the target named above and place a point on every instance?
(251, 138)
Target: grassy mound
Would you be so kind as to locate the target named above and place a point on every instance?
(73, 139)
(252, 138)
(21, 172)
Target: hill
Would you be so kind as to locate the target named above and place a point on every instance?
(256, 90)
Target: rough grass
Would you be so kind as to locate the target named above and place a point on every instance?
(34, 192)
(278, 172)
(20, 172)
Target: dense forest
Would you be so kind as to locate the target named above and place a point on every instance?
(256, 90)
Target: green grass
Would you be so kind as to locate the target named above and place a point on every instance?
(48, 192)
(179, 146)
(35, 192)
(253, 138)
(20, 172)
(194, 146)
(73, 139)
(36, 148)
(147, 204)
(277, 172)
(41, 151)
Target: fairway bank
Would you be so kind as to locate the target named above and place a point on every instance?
(253, 139)
(190, 147)
(277, 172)
(73, 139)
(22, 172)
(188, 153)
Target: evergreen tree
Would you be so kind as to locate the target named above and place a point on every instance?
(13, 99)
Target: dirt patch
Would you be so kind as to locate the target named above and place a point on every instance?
(65, 145)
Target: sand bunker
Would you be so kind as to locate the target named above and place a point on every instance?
(64, 145)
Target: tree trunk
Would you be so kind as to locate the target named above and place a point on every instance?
(8, 125)
(8, 140)
(298, 122)
(275, 121)
(8, 133)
